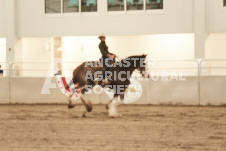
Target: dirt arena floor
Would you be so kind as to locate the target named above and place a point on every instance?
(154, 128)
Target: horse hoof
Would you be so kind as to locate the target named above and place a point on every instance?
(107, 107)
(89, 108)
(115, 115)
(70, 106)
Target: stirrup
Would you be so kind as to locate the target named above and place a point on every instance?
(97, 81)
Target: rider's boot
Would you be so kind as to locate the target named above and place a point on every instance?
(105, 82)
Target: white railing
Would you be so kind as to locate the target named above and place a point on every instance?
(188, 67)
(5, 66)
(40, 69)
(213, 67)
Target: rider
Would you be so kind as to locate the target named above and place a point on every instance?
(105, 56)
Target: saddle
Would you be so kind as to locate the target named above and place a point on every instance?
(98, 65)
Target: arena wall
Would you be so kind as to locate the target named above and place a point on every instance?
(215, 15)
(5, 92)
(2, 51)
(177, 17)
(215, 46)
(2, 34)
(2, 31)
(212, 91)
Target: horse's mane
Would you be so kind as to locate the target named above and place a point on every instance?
(135, 56)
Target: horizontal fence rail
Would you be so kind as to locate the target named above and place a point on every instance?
(188, 67)
(213, 67)
(5, 67)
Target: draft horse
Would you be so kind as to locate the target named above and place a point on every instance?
(119, 78)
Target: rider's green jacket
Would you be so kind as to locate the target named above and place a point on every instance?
(103, 49)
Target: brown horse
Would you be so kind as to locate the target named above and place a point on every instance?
(119, 77)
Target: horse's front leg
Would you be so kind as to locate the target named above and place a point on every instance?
(70, 104)
(112, 111)
(88, 105)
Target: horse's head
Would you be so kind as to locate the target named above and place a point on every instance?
(137, 63)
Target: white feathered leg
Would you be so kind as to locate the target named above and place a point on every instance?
(112, 112)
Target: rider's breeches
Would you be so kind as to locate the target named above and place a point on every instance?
(106, 64)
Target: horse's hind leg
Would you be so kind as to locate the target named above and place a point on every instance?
(88, 105)
(107, 106)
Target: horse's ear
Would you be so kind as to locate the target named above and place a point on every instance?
(144, 55)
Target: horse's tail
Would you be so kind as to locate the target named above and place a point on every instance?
(69, 84)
